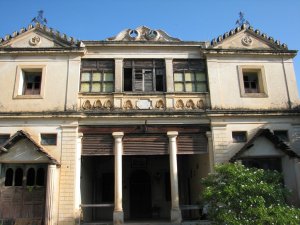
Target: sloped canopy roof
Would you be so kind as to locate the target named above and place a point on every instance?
(22, 148)
(272, 138)
(60, 39)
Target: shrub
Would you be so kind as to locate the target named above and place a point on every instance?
(236, 195)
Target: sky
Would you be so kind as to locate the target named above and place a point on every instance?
(189, 20)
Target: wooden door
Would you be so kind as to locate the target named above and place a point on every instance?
(140, 195)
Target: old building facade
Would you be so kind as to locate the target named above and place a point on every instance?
(124, 129)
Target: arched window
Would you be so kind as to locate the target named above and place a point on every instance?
(30, 179)
(19, 177)
(9, 177)
(40, 177)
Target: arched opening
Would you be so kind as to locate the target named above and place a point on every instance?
(140, 195)
(40, 177)
(19, 177)
(30, 179)
(9, 177)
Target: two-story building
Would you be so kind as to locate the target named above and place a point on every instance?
(124, 129)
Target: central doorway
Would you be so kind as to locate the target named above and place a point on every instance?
(140, 195)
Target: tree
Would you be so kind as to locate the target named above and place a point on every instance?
(236, 195)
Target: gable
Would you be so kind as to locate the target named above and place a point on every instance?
(264, 143)
(24, 151)
(21, 148)
(37, 36)
(262, 147)
(243, 40)
(245, 37)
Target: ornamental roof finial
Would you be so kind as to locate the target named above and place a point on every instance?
(40, 18)
(242, 20)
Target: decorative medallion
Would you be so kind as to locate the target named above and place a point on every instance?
(247, 41)
(160, 104)
(128, 105)
(34, 41)
(151, 34)
(190, 104)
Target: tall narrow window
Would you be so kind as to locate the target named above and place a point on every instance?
(19, 177)
(97, 76)
(144, 75)
(30, 178)
(9, 176)
(190, 75)
(40, 177)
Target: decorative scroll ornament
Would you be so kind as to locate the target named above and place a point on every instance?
(34, 41)
(247, 41)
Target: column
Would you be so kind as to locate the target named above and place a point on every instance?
(118, 216)
(118, 75)
(210, 151)
(175, 210)
(50, 195)
(77, 190)
(169, 75)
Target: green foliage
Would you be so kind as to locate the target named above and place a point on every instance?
(237, 195)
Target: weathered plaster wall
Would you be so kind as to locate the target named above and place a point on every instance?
(225, 87)
(58, 71)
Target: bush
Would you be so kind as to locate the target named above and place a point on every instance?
(236, 195)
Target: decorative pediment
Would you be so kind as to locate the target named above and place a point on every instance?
(143, 34)
(21, 148)
(37, 36)
(264, 144)
(245, 37)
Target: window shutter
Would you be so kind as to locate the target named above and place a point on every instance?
(148, 80)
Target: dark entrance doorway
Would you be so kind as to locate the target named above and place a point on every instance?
(140, 195)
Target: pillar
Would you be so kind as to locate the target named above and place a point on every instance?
(77, 187)
(210, 151)
(50, 195)
(118, 75)
(118, 215)
(175, 209)
(169, 75)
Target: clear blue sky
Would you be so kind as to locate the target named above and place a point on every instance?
(190, 20)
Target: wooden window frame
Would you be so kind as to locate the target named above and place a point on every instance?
(98, 68)
(146, 68)
(261, 90)
(192, 66)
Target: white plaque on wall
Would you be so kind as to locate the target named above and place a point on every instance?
(143, 104)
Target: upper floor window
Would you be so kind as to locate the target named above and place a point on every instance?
(30, 81)
(97, 76)
(239, 136)
(190, 75)
(48, 139)
(282, 135)
(144, 75)
(4, 138)
(252, 81)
